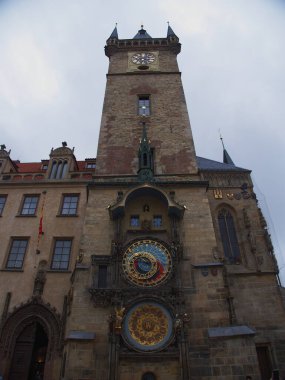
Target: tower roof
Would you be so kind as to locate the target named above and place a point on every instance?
(170, 32)
(227, 158)
(141, 34)
(114, 34)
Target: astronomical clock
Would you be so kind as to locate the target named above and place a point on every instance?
(148, 324)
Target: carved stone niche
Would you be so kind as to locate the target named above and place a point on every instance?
(40, 278)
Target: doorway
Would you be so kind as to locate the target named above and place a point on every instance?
(29, 356)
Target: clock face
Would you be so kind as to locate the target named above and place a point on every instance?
(147, 263)
(143, 58)
(148, 326)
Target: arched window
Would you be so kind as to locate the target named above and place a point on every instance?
(148, 376)
(58, 173)
(53, 169)
(229, 236)
(58, 169)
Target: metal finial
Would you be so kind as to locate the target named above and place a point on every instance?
(168, 23)
(116, 24)
(142, 25)
(221, 138)
(3, 146)
(64, 143)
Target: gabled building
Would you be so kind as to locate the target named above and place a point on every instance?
(147, 263)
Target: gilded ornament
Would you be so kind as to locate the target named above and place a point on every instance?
(148, 326)
(147, 263)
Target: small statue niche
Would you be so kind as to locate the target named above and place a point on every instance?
(40, 279)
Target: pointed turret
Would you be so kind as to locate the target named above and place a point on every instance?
(114, 34)
(171, 36)
(170, 32)
(226, 157)
(112, 41)
(141, 34)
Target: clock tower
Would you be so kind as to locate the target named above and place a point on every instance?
(161, 258)
(143, 217)
(144, 85)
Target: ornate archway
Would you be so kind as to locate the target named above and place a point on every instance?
(24, 324)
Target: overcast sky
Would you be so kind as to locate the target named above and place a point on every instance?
(52, 80)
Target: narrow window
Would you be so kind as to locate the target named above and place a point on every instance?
(58, 171)
(53, 170)
(30, 204)
(69, 205)
(144, 105)
(16, 253)
(228, 236)
(2, 203)
(102, 276)
(64, 169)
(61, 254)
(157, 221)
(135, 221)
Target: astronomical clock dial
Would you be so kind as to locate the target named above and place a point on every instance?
(143, 58)
(147, 263)
(148, 326)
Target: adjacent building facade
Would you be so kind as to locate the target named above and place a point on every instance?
(147, 263)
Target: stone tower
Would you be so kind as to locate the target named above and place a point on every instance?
(150, 263)
(171, 237)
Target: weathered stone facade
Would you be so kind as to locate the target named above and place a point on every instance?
(171, 272)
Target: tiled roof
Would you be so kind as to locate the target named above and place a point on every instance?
(36, 167)
(203, 164)
(29, 167)
(211, 165)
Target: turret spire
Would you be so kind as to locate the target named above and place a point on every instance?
(114, 34)
(170, 32)
(226, 157)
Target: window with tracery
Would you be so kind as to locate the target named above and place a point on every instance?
(229, 236)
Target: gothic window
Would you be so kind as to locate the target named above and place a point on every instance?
(148, 376)
(157, 221)
(69, 205)
(61, 254)
(58, 169)
(16, 253)
(135, 221)
(229, 236)
(144, 105)
(2, 203)
(29, 206)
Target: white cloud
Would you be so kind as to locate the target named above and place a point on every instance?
(25, 74)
